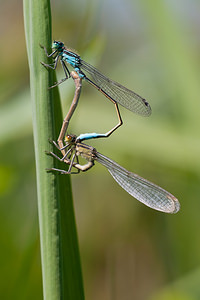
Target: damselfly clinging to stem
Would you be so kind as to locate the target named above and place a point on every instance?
(114, 91)
(143, 190)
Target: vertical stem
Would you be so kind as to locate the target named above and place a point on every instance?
(61, 269)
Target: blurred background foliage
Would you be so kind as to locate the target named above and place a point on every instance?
(128, 251)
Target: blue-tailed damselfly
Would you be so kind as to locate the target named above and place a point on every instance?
(143, 190)
(114, 91)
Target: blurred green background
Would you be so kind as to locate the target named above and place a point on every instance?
(128, 251)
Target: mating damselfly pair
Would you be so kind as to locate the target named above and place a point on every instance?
(73, 148)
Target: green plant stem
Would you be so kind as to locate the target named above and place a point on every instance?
(62, 278)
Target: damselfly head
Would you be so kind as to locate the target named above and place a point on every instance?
(70, 139)
(57, 45)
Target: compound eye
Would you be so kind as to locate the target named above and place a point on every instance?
(68, 138)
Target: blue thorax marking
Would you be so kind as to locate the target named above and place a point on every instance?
(72, 58)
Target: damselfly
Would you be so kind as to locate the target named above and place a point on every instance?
(114, 91)
(138, 187)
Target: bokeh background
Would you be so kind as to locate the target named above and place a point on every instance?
(128, 251)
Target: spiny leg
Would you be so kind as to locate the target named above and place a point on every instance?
(50, 65)
(67, 74)
(57, 146)
(70, 163)
(45, 49)
(54, 66)
(57, 170)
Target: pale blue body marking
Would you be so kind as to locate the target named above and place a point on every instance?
(89, 136)
(80, 73)
(72, 60)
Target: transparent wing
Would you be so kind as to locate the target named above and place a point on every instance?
(140, 188)
(117, 92)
